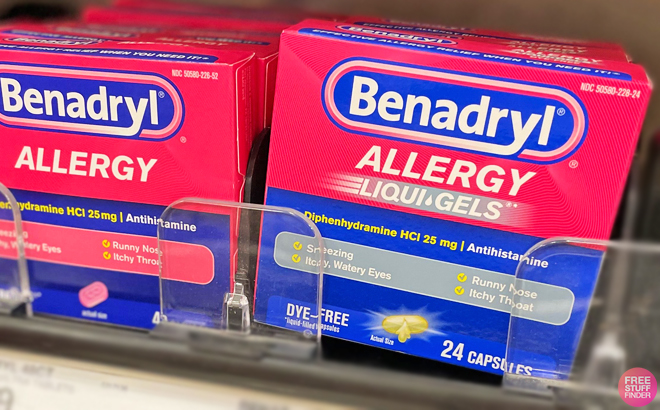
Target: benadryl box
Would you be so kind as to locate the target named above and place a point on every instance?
(430, 168)
(99, 133)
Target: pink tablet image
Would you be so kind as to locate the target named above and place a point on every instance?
(93, 294)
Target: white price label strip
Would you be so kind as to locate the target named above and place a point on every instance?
(34, 382)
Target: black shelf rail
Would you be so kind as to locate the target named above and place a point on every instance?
(326, 381)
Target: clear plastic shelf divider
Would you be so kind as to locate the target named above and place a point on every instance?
(583, 312)
(15, 294)
(211, 253)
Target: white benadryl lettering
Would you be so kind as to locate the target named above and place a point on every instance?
(474, 119)
(99, 106)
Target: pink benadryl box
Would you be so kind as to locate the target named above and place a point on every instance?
(430, 169)
(101, 130)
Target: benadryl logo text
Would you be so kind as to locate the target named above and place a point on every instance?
(102, 103)
(492, 116)
(399, 36)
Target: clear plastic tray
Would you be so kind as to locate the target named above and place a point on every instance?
(611, 291)
(209, 252)
(15, 295)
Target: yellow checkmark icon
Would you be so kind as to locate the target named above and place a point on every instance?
(459, 290)
(107, 255)
(295, 258)
(106, 243)
(461, 277)
(297, 246)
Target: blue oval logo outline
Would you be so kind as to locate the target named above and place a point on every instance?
(555, 94)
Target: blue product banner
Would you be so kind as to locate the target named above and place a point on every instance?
(429, 287)
(116, 53)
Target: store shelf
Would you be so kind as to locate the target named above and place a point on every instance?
(55, 363)
(35, 381)
(325, 381)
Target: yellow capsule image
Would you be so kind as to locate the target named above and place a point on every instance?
(405, 325)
